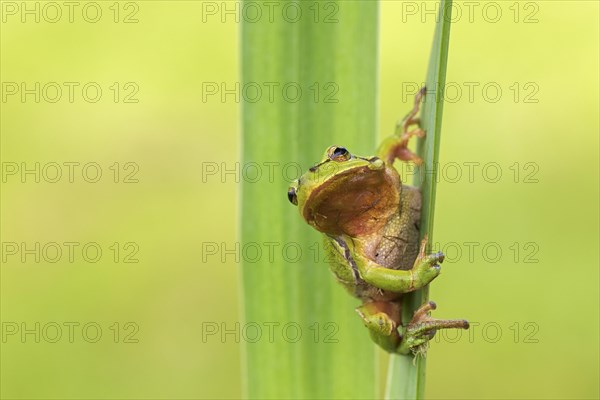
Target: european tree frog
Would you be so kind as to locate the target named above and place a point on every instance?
(370, 222)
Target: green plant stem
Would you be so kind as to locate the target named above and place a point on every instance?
(334, 63)
(406, 376)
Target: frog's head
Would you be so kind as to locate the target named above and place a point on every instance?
(347, 194)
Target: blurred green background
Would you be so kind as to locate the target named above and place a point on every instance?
(533, 306)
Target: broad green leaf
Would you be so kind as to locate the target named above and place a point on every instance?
(330, 55)
(406, 376)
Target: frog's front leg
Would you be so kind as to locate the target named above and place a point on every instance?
(418, 332)
(425, 269)
(396, 146)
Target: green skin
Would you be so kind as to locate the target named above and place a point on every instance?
(370, 222)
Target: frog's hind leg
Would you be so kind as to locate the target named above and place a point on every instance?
(411, 119)
(396, 146)
(382, 320)
(422, 328)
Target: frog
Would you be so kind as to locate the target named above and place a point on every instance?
(370, 222)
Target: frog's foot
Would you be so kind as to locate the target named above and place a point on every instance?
(411, 119)
(426, 267)
(421, 329)
(382, 320)
(396, 146)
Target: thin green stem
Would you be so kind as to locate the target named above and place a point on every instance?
(406, 375)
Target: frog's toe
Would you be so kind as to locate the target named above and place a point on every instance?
(436, 258)
(432, 270)
(431, 266)
(422, 328)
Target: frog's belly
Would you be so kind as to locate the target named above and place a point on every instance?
(397, 249)
(358, 287)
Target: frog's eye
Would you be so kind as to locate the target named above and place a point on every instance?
(338, 154)
(292, 196)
